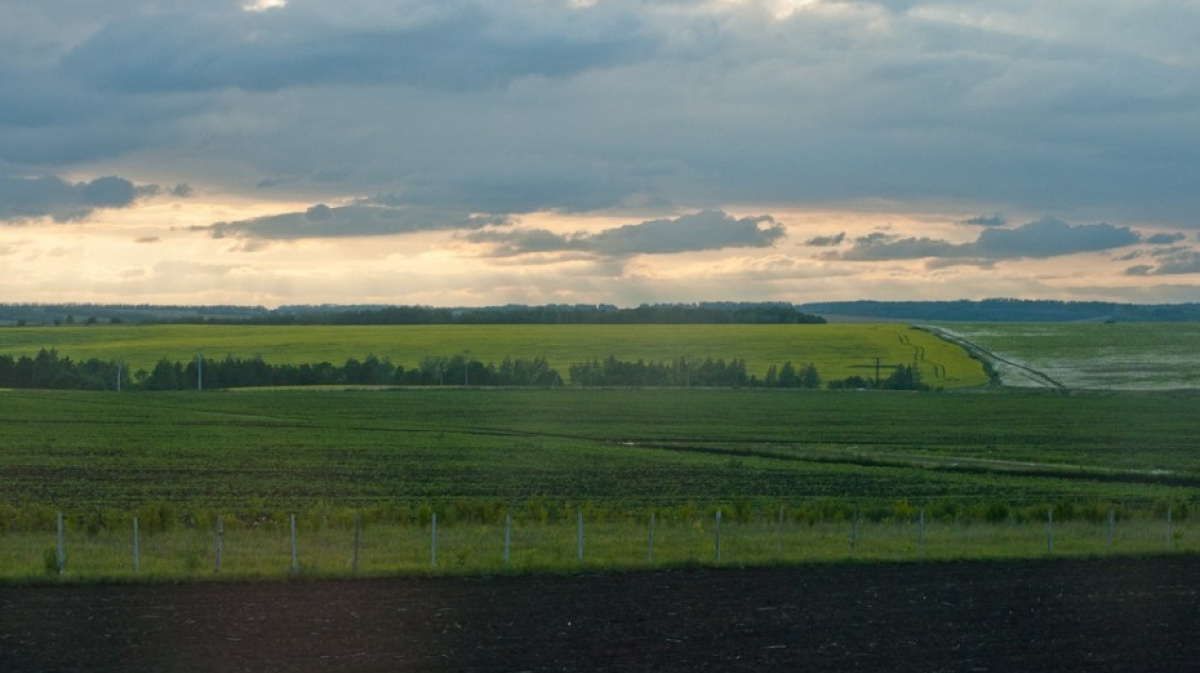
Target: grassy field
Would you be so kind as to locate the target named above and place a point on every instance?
(271, 450)
(986, 467)
(1117, 356)
(323, 550)
(838, 351)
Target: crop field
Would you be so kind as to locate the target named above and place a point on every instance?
(987, 468)
(1114, 356)
(838, 351)
(286, 449)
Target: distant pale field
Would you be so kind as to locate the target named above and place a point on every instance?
(838, 351)
(1116, 356)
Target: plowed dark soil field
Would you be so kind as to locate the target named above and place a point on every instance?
(1051, 615)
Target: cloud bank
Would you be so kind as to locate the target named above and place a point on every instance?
(322, 221)
(706, 230)
(23, 199)
(1047, 237)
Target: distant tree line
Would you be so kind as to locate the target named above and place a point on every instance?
(49, 370)
(657, 314)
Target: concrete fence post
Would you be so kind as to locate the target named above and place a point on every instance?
(433, 541)
(579, 533)
(61, 556)
(718, 535)
(650, 542)
(507, 537)
(921, 535)
(220, 542)
(357, 542)
(1050, 531)
(295, 551)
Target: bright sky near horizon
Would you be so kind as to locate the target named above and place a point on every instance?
(481, 152)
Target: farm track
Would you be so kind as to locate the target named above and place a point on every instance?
(990, 357)
(881, 459)
(1117, 614)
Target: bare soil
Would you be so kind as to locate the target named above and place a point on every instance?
(1049, 615)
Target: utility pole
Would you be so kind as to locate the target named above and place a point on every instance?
(200, 370)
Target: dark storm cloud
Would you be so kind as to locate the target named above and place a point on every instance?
(706, 230)
(515, 106)
(456, 47)
(322, 221)
(1047, 237)
(23, 198)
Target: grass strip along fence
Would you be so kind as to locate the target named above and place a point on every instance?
(286, 549)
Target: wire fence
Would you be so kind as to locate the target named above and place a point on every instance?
(280, 549)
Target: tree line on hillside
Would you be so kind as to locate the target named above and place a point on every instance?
(49, 370)
(646, 314)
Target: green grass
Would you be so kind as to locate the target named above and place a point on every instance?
(263, 452)
(838, 351)
(985, 465)
(386, 549)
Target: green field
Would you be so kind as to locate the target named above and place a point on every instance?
(617, 448)
(838, 351)
(986, 467)
(1113, 356)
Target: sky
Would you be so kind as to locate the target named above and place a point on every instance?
(471, 153)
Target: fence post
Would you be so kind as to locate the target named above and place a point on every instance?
(1050, 531)
(137, 561)
(507, 537)
(295, 554)
(1169, 540)
(650, 544)
(853, 534)
(220, 541)
(779, 537)
(433, 541)
(718, 535)
(921, 535)
(61, 556)
(1110, 529)
(579, 516)
(357, 541)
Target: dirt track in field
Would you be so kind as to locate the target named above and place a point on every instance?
(1052, 615)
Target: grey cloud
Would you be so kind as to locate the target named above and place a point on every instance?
(23, 198)
(1047, 237)
(455, 47)
(322, 221)
(706, 230)
(826, 241)
(1173, 261)
(526, 105)
(996, 220)
(881, 247)
(1050, 237)
(1165, 239)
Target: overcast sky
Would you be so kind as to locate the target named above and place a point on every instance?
(454, 152)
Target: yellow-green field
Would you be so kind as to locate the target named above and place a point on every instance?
(838, 351)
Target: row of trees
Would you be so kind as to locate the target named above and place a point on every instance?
(647, 314)
(48, 370)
